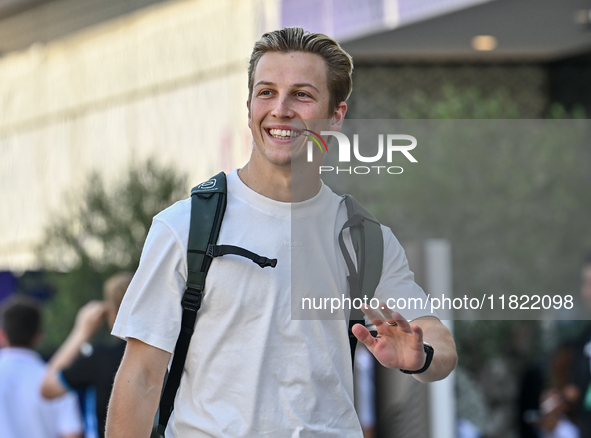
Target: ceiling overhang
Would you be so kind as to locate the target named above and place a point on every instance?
(525, 31)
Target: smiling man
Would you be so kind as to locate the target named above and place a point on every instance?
(252, 371)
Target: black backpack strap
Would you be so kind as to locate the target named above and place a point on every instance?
(221, 250)
(208, 205)
(368, 243)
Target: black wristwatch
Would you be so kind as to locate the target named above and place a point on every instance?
(429, 350)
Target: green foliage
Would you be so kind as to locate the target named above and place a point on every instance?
(557, 111)
(102, 232)
(512, 197)
(465, 104)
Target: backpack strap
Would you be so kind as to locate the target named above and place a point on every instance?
(368, 243)
(208, 205)
(220, 250)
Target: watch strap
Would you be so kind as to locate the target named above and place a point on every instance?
(429, 351)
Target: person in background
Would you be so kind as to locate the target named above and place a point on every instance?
(23, 412)
(553, 422)
(80, 365)
(579, 377)
(565, 410)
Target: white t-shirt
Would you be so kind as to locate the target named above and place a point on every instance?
(253, 370)
(23, 412)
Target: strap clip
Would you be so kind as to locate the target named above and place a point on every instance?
(221, 250)
(264, 262)
(192, 299)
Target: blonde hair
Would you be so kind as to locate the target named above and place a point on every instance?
(295, 39)
(115, 288)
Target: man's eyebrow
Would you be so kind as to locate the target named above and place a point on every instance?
(300, 85)
(305, 84)
(263, 83)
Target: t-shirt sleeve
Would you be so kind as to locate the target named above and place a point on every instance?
(151, 308)
(397, 287)
(67, 415)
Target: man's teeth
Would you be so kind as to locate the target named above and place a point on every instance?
(283, 134)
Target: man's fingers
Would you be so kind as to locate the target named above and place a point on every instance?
(383, 316)
(363, 335)
(371, 312)
(93, 308)
(374, 315)
(400, 320)
(394, 319)
(418, 332)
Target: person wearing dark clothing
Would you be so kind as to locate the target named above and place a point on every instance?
(89, 367)
(580, 369)
(94, 370)
(580, 377)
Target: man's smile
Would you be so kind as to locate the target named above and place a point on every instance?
(283, 134)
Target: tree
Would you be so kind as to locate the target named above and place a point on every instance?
(101, 233)
(512, 196)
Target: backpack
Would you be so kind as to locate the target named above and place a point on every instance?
(208, 205)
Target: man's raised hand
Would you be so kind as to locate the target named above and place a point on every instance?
(89, 318)
(399, 344)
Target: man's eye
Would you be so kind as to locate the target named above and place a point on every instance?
(265, 93)
(302, 94)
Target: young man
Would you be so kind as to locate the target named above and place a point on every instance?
(83, 366)
(251, 370)
(23, 412)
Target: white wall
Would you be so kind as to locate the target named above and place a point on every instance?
(168, 81)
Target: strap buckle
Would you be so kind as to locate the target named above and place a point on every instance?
(263, 262)
(221, 250)
(192, 299)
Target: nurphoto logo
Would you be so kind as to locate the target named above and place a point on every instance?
(393, 144)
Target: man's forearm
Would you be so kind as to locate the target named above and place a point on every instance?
(445, 356)
(89, 319)
(136, 391)
(69, 350)
(132, 408)
(52, 386)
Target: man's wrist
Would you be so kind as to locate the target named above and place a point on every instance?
(429, 351)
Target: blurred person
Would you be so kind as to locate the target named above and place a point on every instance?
(251, 370)
(79, 365)
(578, 391)
(531, 388)
(566, 407)
(553, 422)
(23, 412)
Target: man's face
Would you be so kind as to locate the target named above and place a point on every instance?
(287, 87)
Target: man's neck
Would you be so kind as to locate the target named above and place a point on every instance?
(279, 184)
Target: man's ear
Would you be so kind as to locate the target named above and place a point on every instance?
(3, 339)
(336, 122)
(37, 338)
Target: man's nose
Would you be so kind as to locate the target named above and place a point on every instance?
(283, 107)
